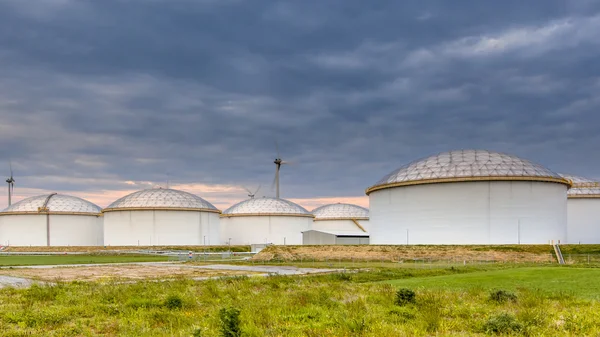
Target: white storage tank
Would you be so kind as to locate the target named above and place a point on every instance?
(583, 210)
(341, 217)
(51, 220)
(266, 221)
(469, 197)
(161, 217)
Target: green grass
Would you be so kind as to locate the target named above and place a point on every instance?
(581, 282)
(324, 305)
(30, 260)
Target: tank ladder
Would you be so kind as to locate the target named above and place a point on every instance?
(558, 253)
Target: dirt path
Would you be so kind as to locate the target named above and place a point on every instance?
(147, 271)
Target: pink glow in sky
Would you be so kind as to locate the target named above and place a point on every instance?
(222, 196)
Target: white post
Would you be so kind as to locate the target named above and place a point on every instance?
(519, 231)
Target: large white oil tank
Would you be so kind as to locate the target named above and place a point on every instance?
(469, 197)
(265, 221)
(51, 220)
(161, 216)
(341, 217)
(583, 210)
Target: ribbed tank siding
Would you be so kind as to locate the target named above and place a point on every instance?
(583, 224)
(486, 212)
(23, 230)
(160, 227)
(279, 230)
(75, 230)
(65, 230)
(340, 225)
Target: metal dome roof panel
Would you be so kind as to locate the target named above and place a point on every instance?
(57, 203)
(465, 164)
(340, 211)
(159, 198)
(582, 187)
(266, 206)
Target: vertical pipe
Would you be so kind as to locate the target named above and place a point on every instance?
(48, 229)
(277, 179)
(519, 231)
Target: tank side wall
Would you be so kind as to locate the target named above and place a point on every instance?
(74, 230)
(583, 225)
(246, 230)
(335, 225)
(469, 213)
(23, 230)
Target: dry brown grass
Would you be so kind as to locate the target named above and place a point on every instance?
(100, 249)
(523, 253)
(121, 272)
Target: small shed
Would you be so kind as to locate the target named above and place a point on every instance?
(321, 237)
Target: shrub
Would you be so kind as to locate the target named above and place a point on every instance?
(405, 296)
(342, 277)
(173, 302)
(502, 296)
(502, 324)
(402, 315)
(230, 322)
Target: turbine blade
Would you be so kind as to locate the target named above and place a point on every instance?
(257, 189)
(274, 181)
(277, 149)
(247, 190)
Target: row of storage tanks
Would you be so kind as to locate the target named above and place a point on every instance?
(159, 216)
(457, 197)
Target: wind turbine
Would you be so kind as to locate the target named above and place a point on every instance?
(11, 185)
(250, 193)
(278, 162)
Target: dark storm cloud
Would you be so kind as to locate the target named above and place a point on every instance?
(197, 91)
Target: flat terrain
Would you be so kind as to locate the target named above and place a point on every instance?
(142, 271)
(118, 272)
(124, 248)
(28, 260)
(339, 304)
(455, 253)
(453, 293)
(580, 282)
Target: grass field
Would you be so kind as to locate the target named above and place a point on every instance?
(579, 282)
(347, 304)
(30, 260)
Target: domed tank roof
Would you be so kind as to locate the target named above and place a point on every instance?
(266, 206)
(582, 187)
(340, 211)
(466, 165)
(161, 199)
(54, 204)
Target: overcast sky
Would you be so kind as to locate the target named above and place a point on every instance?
(99, 98)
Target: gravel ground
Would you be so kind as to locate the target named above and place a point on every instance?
(17, 282)
(280, 270)
(19, 274)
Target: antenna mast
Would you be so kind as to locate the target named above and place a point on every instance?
(11, 185)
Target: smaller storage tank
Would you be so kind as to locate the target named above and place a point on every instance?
(161, 216)
(583, 210)
(265, 220)
(51, 220)
(341, 217)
